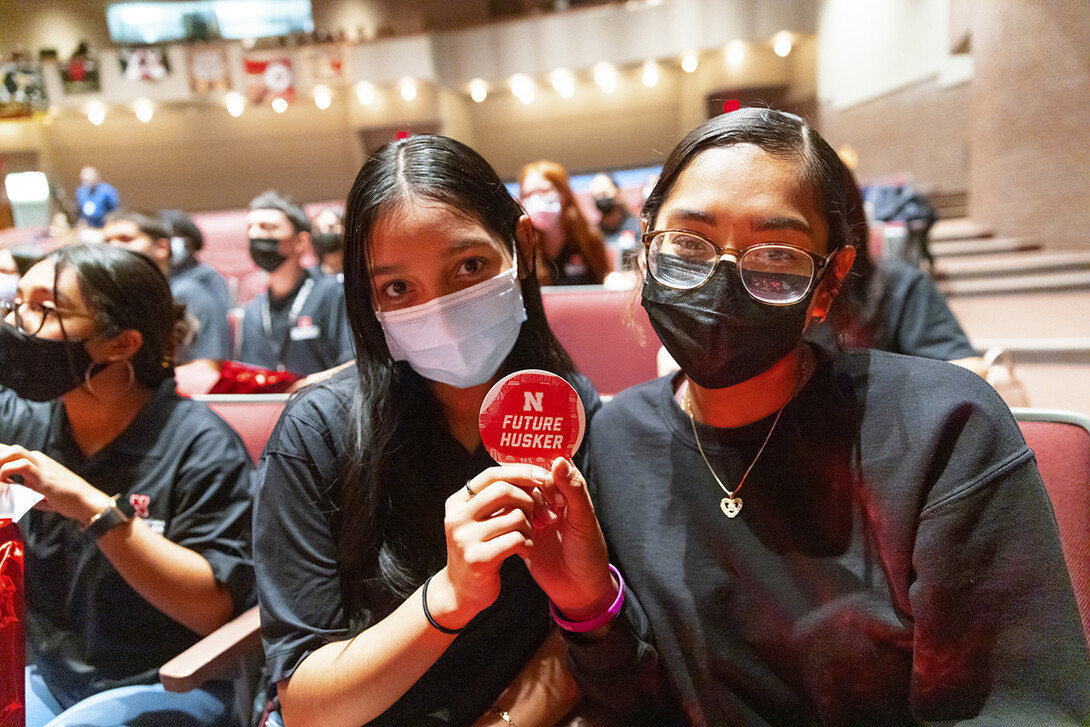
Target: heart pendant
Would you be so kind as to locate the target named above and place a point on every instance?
(731, 506)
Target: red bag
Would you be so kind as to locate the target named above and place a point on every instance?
(240, 378)
(12, 654)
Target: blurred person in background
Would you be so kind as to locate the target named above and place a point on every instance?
(617, 224)
(186, 241)
(142, 232)
(569, 250)
(94, 198)
(328, 241)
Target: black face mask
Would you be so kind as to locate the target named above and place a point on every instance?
(39, 369)
(327, 242)
(605, 205)
(265, 252)
(717, 333)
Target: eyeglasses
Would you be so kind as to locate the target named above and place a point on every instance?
(30, 315)
(774, 272)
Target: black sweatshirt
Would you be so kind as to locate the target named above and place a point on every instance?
(896, 559)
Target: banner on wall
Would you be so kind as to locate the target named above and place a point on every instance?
(143, 64)
(208, 72)
(269, 77)
(325, 63)
(22, 91)
(79, 74)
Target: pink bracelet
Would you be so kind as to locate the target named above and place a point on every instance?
(581, 627)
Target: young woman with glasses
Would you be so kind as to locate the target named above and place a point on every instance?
(140, 545)
(811, 536)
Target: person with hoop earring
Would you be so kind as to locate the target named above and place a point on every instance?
(141, 544)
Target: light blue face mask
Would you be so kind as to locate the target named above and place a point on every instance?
(459, 339)
(178, 250)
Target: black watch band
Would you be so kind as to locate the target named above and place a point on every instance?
(104, 520)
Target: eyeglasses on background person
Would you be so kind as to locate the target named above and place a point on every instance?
(29, 315)
(774, 273)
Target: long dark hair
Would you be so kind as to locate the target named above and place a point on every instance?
(126, 291)
(441, 170)
(782, 135)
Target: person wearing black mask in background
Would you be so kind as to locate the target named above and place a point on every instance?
(617, 224)
(328, 242)
(141, 545)
(298, 324)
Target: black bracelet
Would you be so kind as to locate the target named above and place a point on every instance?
(427, 614)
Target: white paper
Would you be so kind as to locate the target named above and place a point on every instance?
(16, 501)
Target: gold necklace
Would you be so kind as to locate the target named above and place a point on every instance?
(731, 505)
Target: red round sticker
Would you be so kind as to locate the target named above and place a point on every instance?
(532, 417)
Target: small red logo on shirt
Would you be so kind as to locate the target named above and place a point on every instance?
(304, 322)
(140, 504)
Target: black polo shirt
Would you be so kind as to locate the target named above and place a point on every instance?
(187, 473)
(305, 332)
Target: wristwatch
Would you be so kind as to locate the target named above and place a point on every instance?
(104, 520)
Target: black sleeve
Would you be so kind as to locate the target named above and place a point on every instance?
(996, 622)
(22, 422)
(213, 335)
(621, 673)
(294, 549)
(212, 511)
(924, 325)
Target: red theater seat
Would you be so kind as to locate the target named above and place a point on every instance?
(593, 325)
(253, 416)
(1061, 441)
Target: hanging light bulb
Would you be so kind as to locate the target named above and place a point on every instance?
(650, 74)
(144, 111)
(235, 104)
(782, 44)
(96, 115)
(365, 93)
(522, 86)
(563, 83)
(280, 105)
(408, 89)
(736, 53)
(605, 75)
(322, 98)
(689, 63)
(478, 90)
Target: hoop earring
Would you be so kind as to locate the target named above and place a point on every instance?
(87, 378)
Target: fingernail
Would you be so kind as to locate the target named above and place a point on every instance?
(538, 475)
(564, 468)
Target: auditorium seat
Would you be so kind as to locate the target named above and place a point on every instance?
(1061, 442)
(253, 416)
(593, 324)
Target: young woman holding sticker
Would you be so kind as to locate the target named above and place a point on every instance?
(384, 532)
(812, 536)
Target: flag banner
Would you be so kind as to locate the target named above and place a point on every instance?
(22, 91)
(325, 63)
(208, 71)
(143, 64)
(79, 74)
(269, 77)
